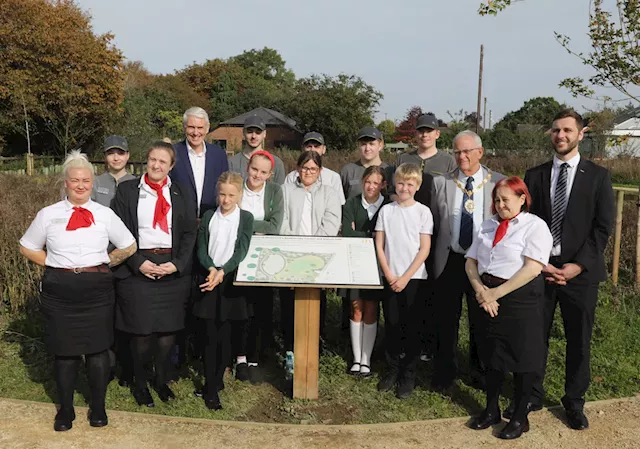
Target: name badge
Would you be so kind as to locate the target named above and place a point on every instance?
(58, 220)
(488, 231)
(103, 190)
(143, 196)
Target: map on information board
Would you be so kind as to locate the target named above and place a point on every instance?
(315, 261)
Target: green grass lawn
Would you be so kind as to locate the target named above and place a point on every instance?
(25, 373)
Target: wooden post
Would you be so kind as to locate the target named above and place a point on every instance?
(617, 238)
(306, 343)
(29, 164)
(638, 247)
(478, 110)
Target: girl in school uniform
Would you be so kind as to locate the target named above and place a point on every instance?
(223, 241)
(77, 296)
(359, 216)
(310, 208)
(265, 202)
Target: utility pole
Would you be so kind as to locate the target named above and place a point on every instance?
(484, 115)
(479, 89)
(490, 119)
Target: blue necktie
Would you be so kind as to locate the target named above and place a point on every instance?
(466, 219)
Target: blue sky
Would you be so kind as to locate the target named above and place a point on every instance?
(416, 52)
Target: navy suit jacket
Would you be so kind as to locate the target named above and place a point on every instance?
(215, 164)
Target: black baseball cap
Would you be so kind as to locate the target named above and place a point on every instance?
(427, 121)
(313, 136)
(254, 122)
(118, 142)
(369, 131)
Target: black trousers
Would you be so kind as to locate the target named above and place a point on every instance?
(429, 318)
(402, 322)
(217, 351)
(577, 307)
(287, 315)
(449, 288)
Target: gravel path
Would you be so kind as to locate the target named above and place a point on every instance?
(614, 424)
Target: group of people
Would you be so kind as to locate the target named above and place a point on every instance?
(136, 260)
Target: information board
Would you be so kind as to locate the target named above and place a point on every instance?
(292, 261)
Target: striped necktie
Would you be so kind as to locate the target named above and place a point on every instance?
(559, 205)
(466, 219)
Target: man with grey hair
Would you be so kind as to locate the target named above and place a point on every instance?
(462, 201)
(198, 164)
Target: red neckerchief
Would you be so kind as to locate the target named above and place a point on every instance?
(162, 205)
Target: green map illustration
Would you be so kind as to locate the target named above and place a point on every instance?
(274, 265)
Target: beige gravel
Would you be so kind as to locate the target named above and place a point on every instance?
(23, 424)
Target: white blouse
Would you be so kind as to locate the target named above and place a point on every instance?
(223, 233)
(373, 207)
(148, 236)
(527, 236)
(84, 247)
(253, 202)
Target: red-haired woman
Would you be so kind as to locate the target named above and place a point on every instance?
(504, 265)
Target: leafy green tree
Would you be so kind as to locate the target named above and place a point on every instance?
(388, 129)
(536, 111)
(336, 106)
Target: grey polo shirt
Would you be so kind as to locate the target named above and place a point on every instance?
(438, 164)
(238, 163)
(104, 187)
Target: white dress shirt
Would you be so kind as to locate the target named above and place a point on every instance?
(402, 228)
(223, 233)
(253, 202)
(327, 177)
(84, 247)
(527, 236)
(478, 211)
(148, 236)
(306, 227)
(372, 208)
(571, 175)
(198, 167)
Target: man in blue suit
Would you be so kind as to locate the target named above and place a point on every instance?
(199, 164)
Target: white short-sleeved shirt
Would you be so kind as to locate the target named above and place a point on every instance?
(84, 247)
(253, 202)
(148, 236)
(198, 164)
(527, 236)
(223, 233)
(478, 211)
(372, 208)
(327, 177)
(402, 227)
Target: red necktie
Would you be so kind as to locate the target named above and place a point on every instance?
(80, 218)
(502, 230)
(162, 205)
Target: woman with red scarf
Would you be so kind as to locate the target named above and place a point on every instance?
(504, 265)
(77, 295)
(153, 287)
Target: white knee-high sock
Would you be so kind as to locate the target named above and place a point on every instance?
(368, 341)
(356, 339)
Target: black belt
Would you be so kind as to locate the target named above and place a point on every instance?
(489, 279)
(104, 268)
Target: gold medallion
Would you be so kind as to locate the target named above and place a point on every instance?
(469, 206)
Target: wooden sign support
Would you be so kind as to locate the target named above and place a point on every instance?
(306, 343)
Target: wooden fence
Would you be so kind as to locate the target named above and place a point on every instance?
(621, 192)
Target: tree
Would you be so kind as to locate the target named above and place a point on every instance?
(52, 64)
(406, 130)
(388, 129)
(337, 107)
(536, 111)
(615, 43)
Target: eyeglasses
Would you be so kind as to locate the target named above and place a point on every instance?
(312, 170)
(459, 153)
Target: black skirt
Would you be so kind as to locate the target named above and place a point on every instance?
(514, 340)
(365, 294)
(225, 302)
(78, 311)
(145, 306)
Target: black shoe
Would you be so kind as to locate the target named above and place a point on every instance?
(514, 429)
(577, 419)
(199, 392)
(485, 420)
(365, 374)
(255, 376)
(388, 381)
(143, 397)
(406, 384)
(98, 418)
(124, 382)
(164, 393)
(212, 402)
(64, 419)
(242, 372)
(441, 387)
(531, 407)
(354, 372)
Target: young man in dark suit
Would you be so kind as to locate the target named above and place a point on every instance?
(575, 197)
(198, 164)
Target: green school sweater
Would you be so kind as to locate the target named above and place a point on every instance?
(273, 211)
(353, 212)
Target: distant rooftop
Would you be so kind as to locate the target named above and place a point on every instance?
(270, 118)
